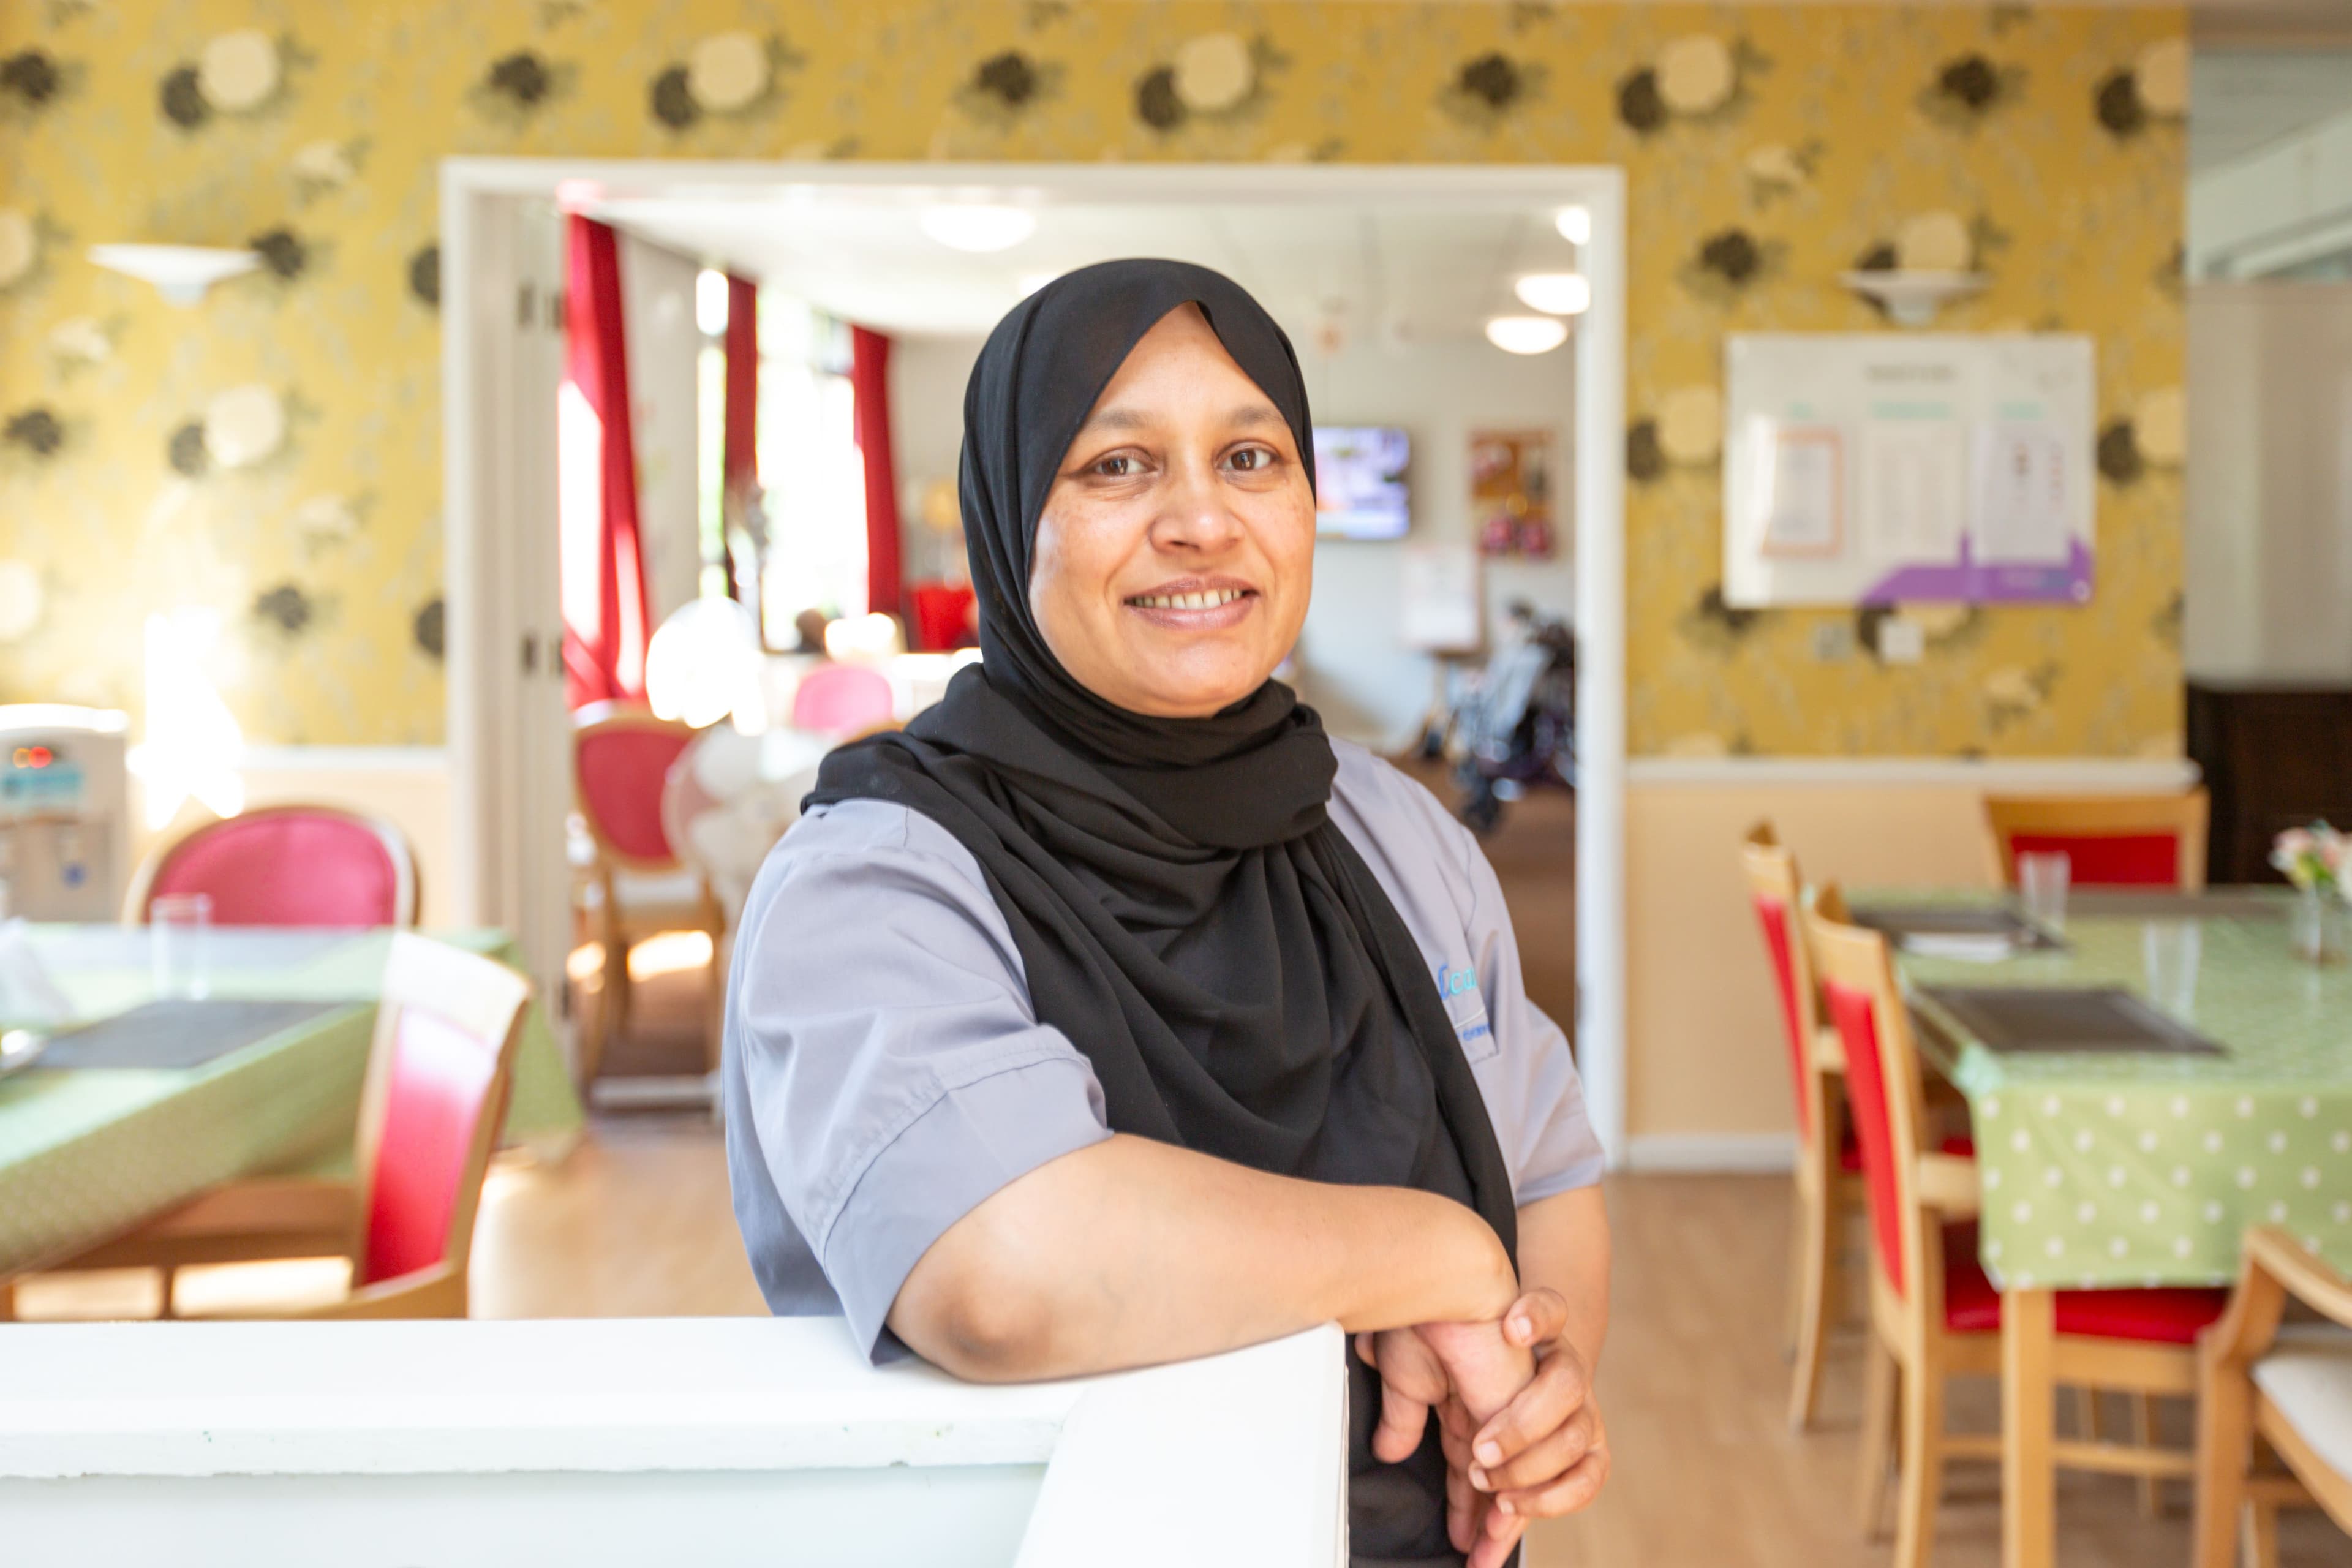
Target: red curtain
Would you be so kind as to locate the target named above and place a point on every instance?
(870, 381)
(603, 639)
(740, 464)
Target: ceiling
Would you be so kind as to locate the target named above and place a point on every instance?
(2242, 100)
(1349, 268)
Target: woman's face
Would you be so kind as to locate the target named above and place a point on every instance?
(1177, 546)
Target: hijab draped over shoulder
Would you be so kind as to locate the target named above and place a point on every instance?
(1185, 909)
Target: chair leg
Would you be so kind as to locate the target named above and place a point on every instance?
(1816, 1299)
(2261, 1533)
(171, 1281)
(1799, 1209)
(1879, 1375)
(2151, 1488)
(7, 1300)
(1922, 1468)
(2225, 1425)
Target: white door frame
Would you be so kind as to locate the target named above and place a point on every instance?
(487, 684)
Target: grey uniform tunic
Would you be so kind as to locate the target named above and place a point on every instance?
(884, 1070)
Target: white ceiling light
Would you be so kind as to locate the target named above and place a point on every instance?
(1554, 293)
(181, 272)
(711, 301)
(1526, 334)
(974, 227)
(1575, 224)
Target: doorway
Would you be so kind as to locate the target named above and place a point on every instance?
(1361, 264)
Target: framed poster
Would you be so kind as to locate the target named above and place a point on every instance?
(1510, 493)
(1869, 467)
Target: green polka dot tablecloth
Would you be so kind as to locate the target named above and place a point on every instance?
(85, 1154)
(2134, 1169)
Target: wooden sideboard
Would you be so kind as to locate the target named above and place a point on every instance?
(2273, 756)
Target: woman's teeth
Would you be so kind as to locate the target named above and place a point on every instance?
(1208, 601)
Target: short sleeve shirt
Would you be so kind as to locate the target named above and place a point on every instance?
(884, 1072)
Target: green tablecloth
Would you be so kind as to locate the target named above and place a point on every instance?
(83, 1154)
(2146, 1169)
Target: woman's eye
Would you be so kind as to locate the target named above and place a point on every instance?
(1116, 467)
(1251, 459)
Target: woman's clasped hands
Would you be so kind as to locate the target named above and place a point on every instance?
(1522, 1435)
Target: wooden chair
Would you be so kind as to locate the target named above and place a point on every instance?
(286, 865)
(1934, 1314)
(1827, 1187)
(2293, 1390)
(434, 1100)
(621, 757)
(2113, 840)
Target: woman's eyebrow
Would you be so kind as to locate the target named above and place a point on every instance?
(1108, 419)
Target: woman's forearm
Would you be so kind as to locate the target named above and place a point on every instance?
(1564, 1246)
(1131, 1252)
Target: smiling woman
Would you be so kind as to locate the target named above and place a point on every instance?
(1113, 1013)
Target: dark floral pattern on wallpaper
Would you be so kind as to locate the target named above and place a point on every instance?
(287, 610)
(1486, 89)
(422, 273)
(1725, 265)
(2153, 89)
(1008, 84)
(285, 255)
(515, 87)
(428, 629)
(234, 75)
(31, 80)
(1969, 89)
(1685, 431)
(725, 76)
(36, 432)
(1714, 626)
(242, 427)
(1698, 79)
(1213, 78)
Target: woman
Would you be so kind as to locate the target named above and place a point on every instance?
(1113, 1013)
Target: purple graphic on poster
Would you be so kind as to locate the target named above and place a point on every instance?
(1991, 583)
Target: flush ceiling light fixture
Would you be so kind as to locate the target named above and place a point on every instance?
(181, 272)
(979, 226)
(1554, 293)
(1526, 334)
(1575, 224)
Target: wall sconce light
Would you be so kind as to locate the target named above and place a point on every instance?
(182, 273)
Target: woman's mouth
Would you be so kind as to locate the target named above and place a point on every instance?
(1194, 608)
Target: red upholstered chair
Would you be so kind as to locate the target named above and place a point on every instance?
(434, 1101)
(2112, 841)
(621, 757)
(842, 700)
(1829, 1165)
(1933, 1311)
(286, 865)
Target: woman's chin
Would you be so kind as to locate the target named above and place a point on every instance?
(1196, 699)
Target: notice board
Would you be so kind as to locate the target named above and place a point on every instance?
(1868, 467)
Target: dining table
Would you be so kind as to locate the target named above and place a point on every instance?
(2127, 1168)
(88, 1151)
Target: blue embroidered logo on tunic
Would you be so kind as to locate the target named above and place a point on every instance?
(1452, 981)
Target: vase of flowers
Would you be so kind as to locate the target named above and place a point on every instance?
(2318, 860)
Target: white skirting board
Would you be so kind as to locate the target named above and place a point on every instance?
(1712, 1153)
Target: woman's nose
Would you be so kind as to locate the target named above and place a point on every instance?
(1195, 516)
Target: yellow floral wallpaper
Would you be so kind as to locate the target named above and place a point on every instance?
(265, 466)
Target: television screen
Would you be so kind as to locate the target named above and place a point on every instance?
(1359, 491)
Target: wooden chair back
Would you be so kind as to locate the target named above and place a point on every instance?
(1778, 893)
(287, 864)
(2113, 840)
(621, 758)
(435, 1097)
(1885, 1097)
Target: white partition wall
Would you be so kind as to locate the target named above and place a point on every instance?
(715, 1441)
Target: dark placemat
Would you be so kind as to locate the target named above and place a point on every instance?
(2067, 1018)
(1900, 920)
(177, 1034)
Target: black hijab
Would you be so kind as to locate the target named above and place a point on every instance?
(1185, 909)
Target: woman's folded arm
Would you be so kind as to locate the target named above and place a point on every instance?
(1130, 1252)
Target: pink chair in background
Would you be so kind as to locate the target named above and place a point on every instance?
(621, 757)
(286, 865)
(843, 699)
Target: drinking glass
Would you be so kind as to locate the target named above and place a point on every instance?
(2169, 950)
(178, 927)
(2042, 878)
